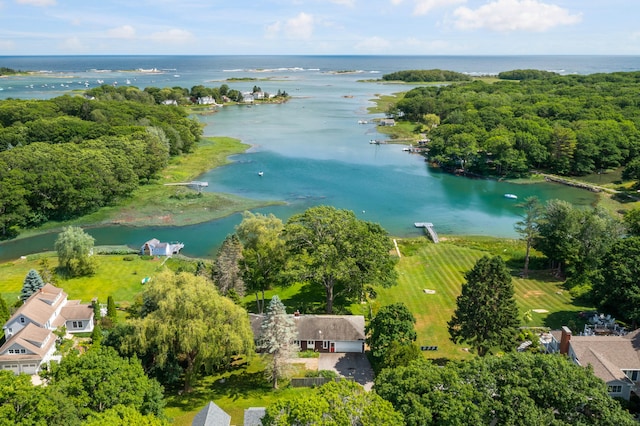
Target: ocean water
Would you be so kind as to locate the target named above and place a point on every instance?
(311, 150)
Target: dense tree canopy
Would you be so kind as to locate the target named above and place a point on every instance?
(263, 253)
(517, 388)
(486, 315)
(68, 156)
(334, 249)
(22, 403)
(100, 379)
(575, 239)
(617, 291)
(184, 319)
(335, 403)
(419, 76)
(573, 124)
(392, 324)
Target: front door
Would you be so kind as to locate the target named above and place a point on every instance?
(332, 347)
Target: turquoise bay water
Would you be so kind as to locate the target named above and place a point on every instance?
(312, 149)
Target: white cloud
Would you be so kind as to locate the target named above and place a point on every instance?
(514, 15)
(349, 3)
(173, 36)
(73, 44)
(298, 27)
(423, 7)
(37, 2)
(125, 31)
(7, 44)
(373, 44)
(273, 30)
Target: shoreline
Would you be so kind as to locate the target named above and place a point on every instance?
(159, 205)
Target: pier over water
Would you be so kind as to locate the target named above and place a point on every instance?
(429, 228)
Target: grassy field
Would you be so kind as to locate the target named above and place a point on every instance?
(115, 277)
(441, 267)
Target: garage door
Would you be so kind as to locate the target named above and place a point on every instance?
(29, 368)
(349, 347)
(12, 367)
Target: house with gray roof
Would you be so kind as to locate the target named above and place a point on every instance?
(154, 247)
(614, 359)
(211, 415)
(253, 416)
(29, 338)
(324, 333)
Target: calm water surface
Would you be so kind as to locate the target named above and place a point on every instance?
(311, 150)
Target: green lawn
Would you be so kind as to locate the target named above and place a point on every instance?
(441, 267)
(114, 277)
(233, 391)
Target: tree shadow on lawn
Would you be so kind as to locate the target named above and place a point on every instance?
(311, 299)
(575, 320)
(237, 385)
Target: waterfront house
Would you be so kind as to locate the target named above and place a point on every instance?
(323, 333)
(154, 247)
(614, 358)
(29, 339)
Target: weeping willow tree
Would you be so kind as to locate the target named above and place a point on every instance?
(184, 318)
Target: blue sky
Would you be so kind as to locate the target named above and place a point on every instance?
(319, 27)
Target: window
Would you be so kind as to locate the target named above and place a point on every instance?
(23, 351)
(297, 343)
(325, 344)
(615, 389)
(77, 324)
(634, 375)
(22, 320)
(311, 343)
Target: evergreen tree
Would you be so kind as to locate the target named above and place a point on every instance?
(277, 339)
(32, 283)
(4, 311)
(111, 309)
(486, 315)
(96, 334)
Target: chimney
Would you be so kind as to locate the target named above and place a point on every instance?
(564, 340)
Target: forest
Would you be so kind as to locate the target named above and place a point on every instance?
(68, 156)
(528, 120)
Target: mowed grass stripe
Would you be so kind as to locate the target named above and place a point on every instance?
(441, 267)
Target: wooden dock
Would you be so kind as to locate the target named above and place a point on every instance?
(429, 227)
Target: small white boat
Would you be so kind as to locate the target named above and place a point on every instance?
(260, 173)
(512, 196)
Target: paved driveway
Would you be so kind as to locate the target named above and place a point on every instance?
(348, 365)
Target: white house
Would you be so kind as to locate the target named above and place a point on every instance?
(154, 247)
(614, 359)
(29, 338)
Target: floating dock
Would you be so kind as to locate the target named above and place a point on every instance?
(429, 227)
